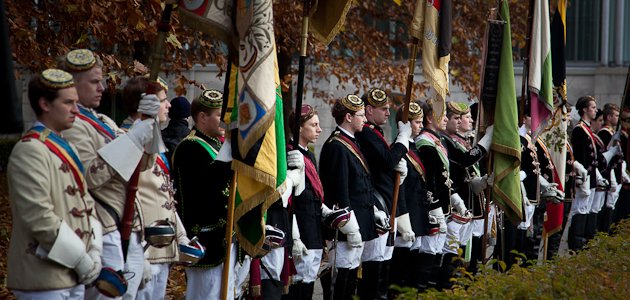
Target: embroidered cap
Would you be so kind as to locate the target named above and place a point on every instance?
(162, 83)
(56, 79)
(211, 99)
(415, 111)
(352, 102)
(80, 60)
(307, 112)
(458, 108)
(376, 97)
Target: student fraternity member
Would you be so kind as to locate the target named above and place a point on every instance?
(412, 221)
(110, 156)
(156, 193)
(382, 161)
(56, 242)
(617, 164)
(347, 184)
(464, 180)
(202, 186)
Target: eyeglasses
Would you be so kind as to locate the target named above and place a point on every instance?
(359, 115)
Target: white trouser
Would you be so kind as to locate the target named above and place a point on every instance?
(477, 226)
(432, 244)
(156, 288)
(346, 256)
(241, 273)
(451, 243)
(598, 201)
(377, 249)
(112, 257)
(582, 204)
(529, 215)
(613, 196)
(416, 244)
(308, 265)
(273, 261)
(466, 233)
(400, 243)
(205, 283)
(73, 293)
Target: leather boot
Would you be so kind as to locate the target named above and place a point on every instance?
(307, 290)
(295, 291)
(577, 240)
(368, 285)
(383, 280)
(591, 226)
(271, 289)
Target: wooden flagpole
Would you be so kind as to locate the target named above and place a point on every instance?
(229, 226)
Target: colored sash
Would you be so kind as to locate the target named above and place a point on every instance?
(587, 129)
(415, 161)
(428, 139)
(162, 161)
(102, 128)
(378, 132)
(344, 140)
(310, 171)
(62, 149)
(213, 152)
(556, 178)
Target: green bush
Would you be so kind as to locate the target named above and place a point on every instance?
(602, 271)
(6, 145)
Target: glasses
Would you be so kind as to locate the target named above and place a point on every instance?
(359, 115)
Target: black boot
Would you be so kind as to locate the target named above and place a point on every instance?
(591, 226)
(605, 219)
(295, 291)
(325, 281)
(577, 240)
(307, 290)
(345, 284)
(399, 266)
(424, 270)
(383, 280)
(475, 254)
(447, 270)
(368, 285)
(271, 289)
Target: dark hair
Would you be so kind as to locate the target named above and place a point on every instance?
(37, 90)
(132, 93)
(599, 113)
(583, 103)
(428, 113)
(339, 112)
(609, 108)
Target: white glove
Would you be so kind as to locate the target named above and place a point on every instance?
(95, 248)
(299, 248)
(601, 181)
(486, 140)
(146, 274)
(614, 150)
(547, 189)
(458, 203)
(351, 230)
(295, 159)
(478, 184)
(401, 168)
(141, 133)
(579, 169)
(404, 227)
(380, 217)
(436, 216)
(404, 134)
(69, 251)
(149, 105)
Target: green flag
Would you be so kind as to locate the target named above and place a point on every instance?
(506, 145)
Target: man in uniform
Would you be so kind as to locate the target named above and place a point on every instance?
(202, 185)
(110, 157)
(346, 180)
(381, 160)
(156, 193)
(56, 243)
(617, 165)
(464, 180)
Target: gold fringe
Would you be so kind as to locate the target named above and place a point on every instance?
(335, 30)
(255, 290)
(260, 129)
(253, 173)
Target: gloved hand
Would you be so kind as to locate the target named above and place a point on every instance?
(580, 171)
(404, 134)
(614, 150)
(88, 269)
(486, 140)
(381, 220)
(295, 161)
(351, 230)
(522, 175)
(458, 204)
(149, 105)
(601, 181)
(299, 248)
(436, 217)
(141, 133)
(146, 274)
(547, 189)
(479, 184)
(615, 138)
(95, 248)
(584, 189)
(401, 168)
(404, 228)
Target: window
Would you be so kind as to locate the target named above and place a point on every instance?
(583, 30)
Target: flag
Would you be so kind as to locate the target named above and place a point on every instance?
(539, 81)
(210, 17)
(327, 18)
(257, 137)
(555, 135)
(431, 24)
(11, 113)
(506, 145)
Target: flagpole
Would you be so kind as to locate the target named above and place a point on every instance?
(306, 6)
(624, 100)
(228, 239)
(528, 37)
(405, 117)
